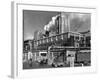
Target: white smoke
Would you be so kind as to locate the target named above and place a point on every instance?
(51, 24)
(46, 28)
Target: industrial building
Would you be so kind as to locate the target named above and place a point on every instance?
(59, 46)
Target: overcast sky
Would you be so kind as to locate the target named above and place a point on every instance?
(36, 20)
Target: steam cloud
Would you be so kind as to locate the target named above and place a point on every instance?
(51, 25)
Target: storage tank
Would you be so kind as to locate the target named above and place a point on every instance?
(65, 23)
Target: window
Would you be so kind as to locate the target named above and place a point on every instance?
(43, 54)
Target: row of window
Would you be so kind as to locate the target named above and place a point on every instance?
(51, 39)
(61, 37)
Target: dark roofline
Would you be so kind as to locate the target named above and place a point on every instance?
(85, 32)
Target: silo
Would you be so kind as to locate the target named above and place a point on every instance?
(65, 22)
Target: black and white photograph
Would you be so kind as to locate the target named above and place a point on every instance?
(54, 39)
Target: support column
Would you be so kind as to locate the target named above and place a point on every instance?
(48, 56)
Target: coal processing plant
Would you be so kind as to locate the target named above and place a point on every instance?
(59, 45)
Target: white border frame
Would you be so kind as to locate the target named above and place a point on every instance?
(17, 41)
